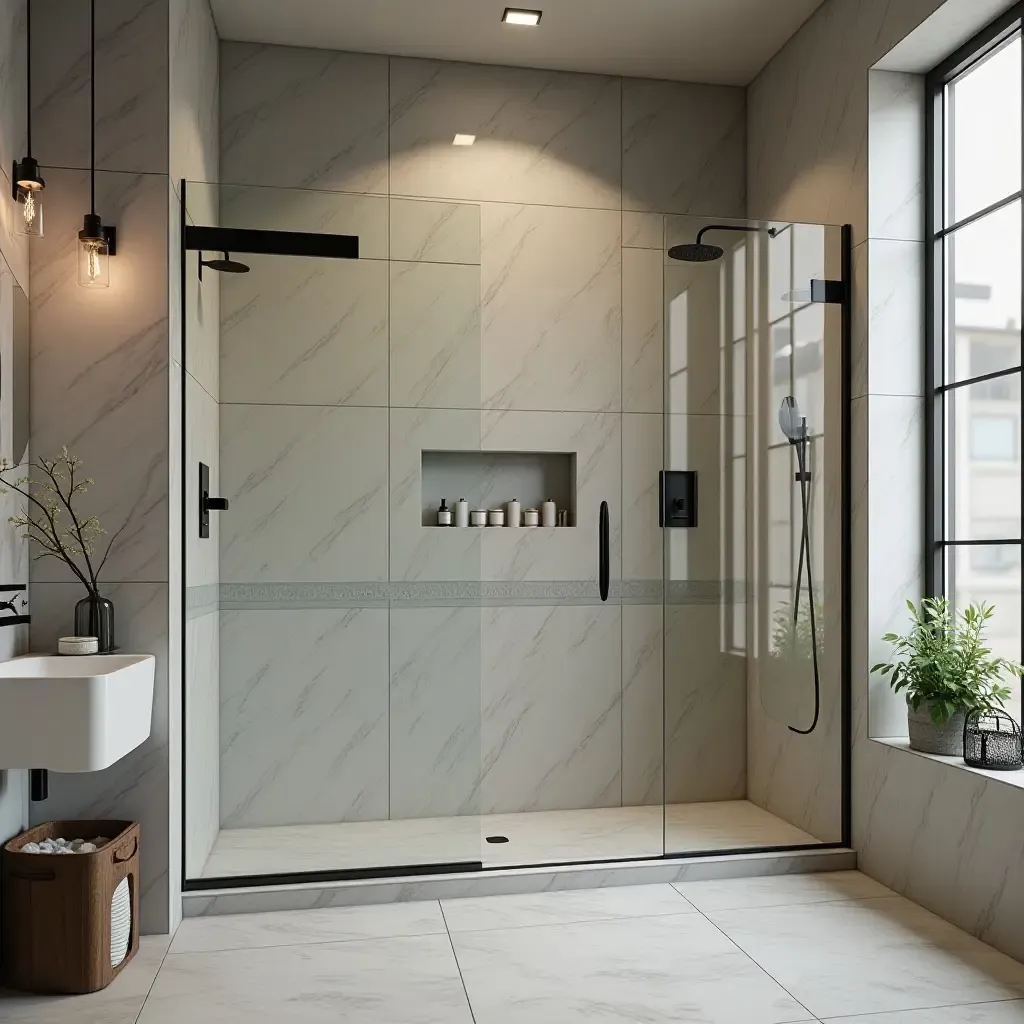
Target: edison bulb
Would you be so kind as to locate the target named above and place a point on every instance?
(32, 212)
(93, 265)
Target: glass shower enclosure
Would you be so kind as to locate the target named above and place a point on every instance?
(369, 692)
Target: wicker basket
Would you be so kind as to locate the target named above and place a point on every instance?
(69, 924)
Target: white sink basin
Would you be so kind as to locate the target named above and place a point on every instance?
(74, 713)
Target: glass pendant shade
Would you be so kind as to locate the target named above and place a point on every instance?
(29, 185)
(93, 255)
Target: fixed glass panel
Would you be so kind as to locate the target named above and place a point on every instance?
(984, 130)
(983, 296)
(983, 463)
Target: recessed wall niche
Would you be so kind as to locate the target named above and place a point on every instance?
(492, 479)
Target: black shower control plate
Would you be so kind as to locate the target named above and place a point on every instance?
(678, 505)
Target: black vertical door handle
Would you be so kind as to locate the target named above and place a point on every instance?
(604, 556)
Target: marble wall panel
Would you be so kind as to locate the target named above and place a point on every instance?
(551, 708)
(270, 99)
(202, 738)
(683, 148)
(132, 84)
(551, 282)
(194, 92)
(435, 232)
(202, 444)
(303, 716)
(304, 331)
(643, 329)
(541, 136)
(643, 704)
(643, 540)
(308, 492)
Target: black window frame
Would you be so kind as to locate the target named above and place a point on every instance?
(936, 230)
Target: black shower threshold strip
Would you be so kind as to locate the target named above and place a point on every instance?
(398, 873)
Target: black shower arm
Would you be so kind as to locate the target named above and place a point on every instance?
(772, 232)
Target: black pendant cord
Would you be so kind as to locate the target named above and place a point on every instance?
(92, 107)
(28, 77)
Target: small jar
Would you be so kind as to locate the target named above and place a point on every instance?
(531, 517)
(496, 517)
(478, 517)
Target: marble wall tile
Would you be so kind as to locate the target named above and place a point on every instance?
(683, 148)
(202, 444)
(896, 544)
(551, 283)
(435, 232)
(267, 208)
(13, 81)
(707, 445)
(108, 349)
(643, 540)
(643, 330)
(896, 172)
(541, 136)
(269, 102)
(643, 230)
(435, 757)
(298, 331)
(194, 92)
(551, 708)
(131, 85)
(705, 707)
(888, 341)
(138, 786)
(308, 493)
(418, 552)
(643, 704)
(303, 716)
(202, 323)
(14, 245)
(435, 335)
(202, 739)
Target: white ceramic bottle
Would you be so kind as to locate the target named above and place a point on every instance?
(462, 512)
(514, 515)
(548, 513)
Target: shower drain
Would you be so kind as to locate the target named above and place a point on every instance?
(497, 839)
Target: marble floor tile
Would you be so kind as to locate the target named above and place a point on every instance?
(652, 969)
(871, 956)
(412, 980)
(572, 906)
(781, 890)
(1009, 1011)
(118, 1004)
(727, 825)
(302, 927)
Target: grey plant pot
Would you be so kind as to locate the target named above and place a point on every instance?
(929, 738)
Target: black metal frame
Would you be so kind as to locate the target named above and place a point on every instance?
(836, 292)
(937, 142)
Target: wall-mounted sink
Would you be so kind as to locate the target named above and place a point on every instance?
(74, 714)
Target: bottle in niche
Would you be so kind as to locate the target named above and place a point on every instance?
(515, 513)
(548, 513)
(462, 512)
(444, 514)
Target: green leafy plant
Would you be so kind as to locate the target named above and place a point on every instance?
(945, 663)
(791, 639)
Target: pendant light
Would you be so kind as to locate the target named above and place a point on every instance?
(96, 242)
(26, 182)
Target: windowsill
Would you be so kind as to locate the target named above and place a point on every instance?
(1015, 779)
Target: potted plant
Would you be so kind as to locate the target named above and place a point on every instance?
(946, 671)
(52, 522)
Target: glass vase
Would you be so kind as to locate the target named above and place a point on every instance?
(94, 616)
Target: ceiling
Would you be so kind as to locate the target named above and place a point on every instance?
(717, 41)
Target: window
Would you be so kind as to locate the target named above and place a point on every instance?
(974, 330)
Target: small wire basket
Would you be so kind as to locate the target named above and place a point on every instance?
(992, 740)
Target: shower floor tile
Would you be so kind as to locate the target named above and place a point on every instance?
(538, 837)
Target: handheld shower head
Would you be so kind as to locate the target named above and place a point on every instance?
(705, 252)
(792, 423)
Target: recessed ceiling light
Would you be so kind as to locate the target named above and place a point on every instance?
(517, 16)
(463, 140)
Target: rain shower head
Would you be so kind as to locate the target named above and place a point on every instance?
(793, 424)
(224, 266)
(704, 252)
